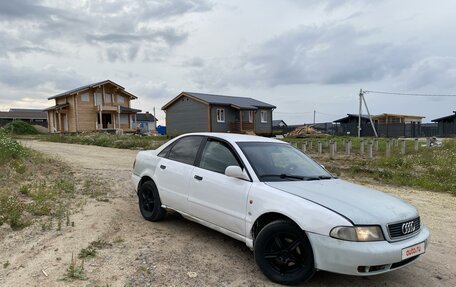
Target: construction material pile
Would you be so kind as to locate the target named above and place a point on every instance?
(303, 131)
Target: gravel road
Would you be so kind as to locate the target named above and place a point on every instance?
(177, 252)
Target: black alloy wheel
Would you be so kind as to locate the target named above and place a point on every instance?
(149, 202)
(284, 254)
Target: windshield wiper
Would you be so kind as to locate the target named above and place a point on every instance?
(283, 175)
(299, 177)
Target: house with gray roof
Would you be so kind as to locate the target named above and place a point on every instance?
(197, 112)
(32, 116)
(446, 125)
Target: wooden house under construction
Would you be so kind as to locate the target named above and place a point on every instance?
(100, 106)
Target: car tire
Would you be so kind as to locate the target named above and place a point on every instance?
(283, 253)
(149, 202)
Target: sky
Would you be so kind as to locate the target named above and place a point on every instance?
(299, 55)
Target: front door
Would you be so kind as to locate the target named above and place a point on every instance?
(215, 197)
(106, 120)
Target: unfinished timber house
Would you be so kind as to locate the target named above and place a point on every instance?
(100, 106)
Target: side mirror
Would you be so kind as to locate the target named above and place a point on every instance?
(235, 171)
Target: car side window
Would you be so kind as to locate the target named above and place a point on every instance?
(185, 149)
(165, 151)
(217, 156)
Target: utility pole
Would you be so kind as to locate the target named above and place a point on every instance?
(361, 100)
(360, 111)
(314, 116)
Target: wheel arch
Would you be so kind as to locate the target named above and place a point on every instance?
(267, 218)
(143, 180)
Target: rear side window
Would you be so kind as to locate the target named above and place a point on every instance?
(164, 152)
(217, 156)
(185, 149)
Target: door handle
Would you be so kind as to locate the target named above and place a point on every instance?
(163, 166)
(197, 177)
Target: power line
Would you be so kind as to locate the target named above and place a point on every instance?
(410, 94)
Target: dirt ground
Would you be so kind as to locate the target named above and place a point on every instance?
(177, 252)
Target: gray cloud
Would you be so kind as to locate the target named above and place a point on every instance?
(329, 54)
(25, 78)
(117, 28)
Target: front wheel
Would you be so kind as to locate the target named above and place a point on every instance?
(283, 253)
(149, 202)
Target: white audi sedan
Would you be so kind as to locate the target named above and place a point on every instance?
(295, 216)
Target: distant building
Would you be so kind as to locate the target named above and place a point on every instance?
(99, 106)
(32, 116)
(446, 125)
(349, 125)
(146, 123)
(397, 119)
(196, 112)
(278, 124)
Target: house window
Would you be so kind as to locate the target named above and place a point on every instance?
(85, 97)
(220, 115)
(264, 116)
(98, 99)
(250, 116)
(107, 98)
(120, 99)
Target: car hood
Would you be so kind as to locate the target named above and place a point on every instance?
(360, 204)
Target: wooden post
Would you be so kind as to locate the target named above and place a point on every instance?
(348, 147)
(335, 146)
(320, 147)
(416, 145)
(331, 149)
(376, 145)
(370, 149)
(59, 124)
(388, 148)
(304, 147)
(361, 148)
(403, 147)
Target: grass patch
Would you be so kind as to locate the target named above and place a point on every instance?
(75, 271)
(428, 168)
(91, 250)
(106, 140)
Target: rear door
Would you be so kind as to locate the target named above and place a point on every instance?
(174, 171)
(215, 197)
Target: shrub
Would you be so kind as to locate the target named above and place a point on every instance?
(20, 128)
(10, 149)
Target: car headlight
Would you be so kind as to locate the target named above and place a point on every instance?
(357, 233)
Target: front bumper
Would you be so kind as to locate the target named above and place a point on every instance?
(345, 257)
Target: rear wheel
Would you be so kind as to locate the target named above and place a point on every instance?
(283, 253)
(149, 202)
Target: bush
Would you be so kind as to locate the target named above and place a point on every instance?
(10, 149)
(20, 128)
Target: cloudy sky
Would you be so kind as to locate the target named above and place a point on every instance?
(298, 55)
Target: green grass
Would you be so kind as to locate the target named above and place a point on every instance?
(106, 140)
(428, 168)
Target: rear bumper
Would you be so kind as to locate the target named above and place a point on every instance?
(345, 256)
(135, 181)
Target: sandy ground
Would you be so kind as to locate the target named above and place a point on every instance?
(163, 254)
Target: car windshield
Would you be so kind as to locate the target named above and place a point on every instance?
(281, 162)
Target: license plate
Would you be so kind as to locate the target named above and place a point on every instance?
(413, 250)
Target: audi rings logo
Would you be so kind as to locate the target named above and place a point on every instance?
(408, 227)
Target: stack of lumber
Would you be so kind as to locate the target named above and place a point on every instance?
(302, 132)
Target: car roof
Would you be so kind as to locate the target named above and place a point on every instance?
(233, 138)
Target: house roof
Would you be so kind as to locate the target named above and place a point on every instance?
(397, 115)
(364, 117)
(146, 117)
(241, 103)
(26, 114)
(89, 86)
(445, 118)
(276, 123)
(129, 110)
(59, 106)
